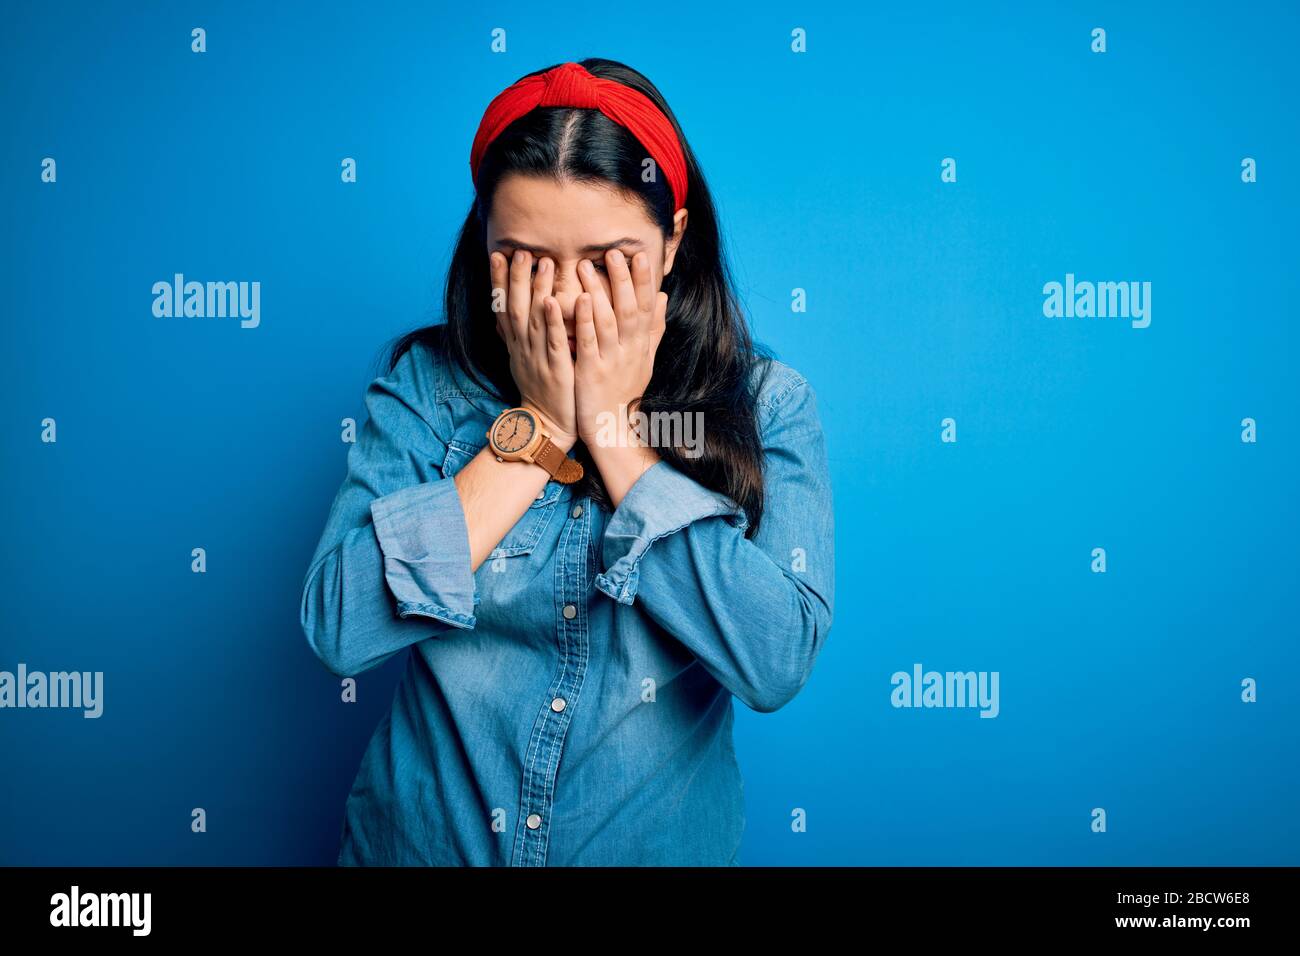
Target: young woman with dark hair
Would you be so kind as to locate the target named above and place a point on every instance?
(593, 509)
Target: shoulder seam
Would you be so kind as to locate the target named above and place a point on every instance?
(445, 383)
(428, 410)
(779, 397)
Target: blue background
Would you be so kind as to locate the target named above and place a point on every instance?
(1118, 690)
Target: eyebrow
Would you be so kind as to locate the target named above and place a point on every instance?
(598, 247)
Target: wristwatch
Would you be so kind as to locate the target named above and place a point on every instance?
(517, 435)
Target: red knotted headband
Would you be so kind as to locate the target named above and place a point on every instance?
(572, 85)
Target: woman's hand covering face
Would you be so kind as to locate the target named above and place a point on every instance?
(531, 325)
(617, 336)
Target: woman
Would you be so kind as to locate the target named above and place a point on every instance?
(588, 504)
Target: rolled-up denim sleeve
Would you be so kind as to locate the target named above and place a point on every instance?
(393, 565)
(422, 535)
(755, 611)
(662, 501)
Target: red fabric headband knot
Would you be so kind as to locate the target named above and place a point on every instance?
(570, 84)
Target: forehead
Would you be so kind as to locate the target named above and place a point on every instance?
(564, 216)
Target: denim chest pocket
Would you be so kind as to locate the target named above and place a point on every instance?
(523, 537)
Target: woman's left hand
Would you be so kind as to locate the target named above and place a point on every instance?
(615, 344)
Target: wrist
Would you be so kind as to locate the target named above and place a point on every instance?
(612, 428)
(621, 467)
(562, 439)
(627, 457)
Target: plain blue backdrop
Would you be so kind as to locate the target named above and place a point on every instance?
(1119, 690)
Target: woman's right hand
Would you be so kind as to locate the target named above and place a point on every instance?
(529, 321)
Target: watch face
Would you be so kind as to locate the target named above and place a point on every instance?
(514, 431)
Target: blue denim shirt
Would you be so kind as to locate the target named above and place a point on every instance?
(570, 703)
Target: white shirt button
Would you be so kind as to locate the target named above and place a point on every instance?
(570, 611)
(534, 821)
(541, 494)
(558, 704)
(577, 511)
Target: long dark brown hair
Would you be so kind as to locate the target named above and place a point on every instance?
(707, 358)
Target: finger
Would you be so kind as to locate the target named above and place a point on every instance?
(643, 282)
(499, 270)
(518, 300)
(557, 340)
(603, 312)
(541, 288)
(584, 329)
(626, 310)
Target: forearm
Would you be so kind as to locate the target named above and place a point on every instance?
(347, 608)
(756, 626)
(621, 464)
(494, 495)
(755, 608)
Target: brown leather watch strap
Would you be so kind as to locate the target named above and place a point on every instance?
(562, 468)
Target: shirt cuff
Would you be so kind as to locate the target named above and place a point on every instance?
(425, 544)
(662, 501)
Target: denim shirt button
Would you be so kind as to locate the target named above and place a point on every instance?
(577, 511)
(534, 821)
(558, 704)
(570, 611)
